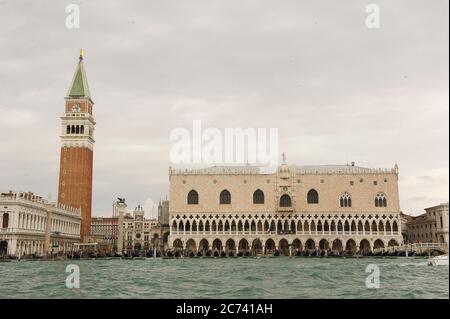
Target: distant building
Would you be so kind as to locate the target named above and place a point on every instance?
(27, 230)
(163, 213)
(405, 219)
(139, 233)
(164, 224)
(431, 226)
(104, 232)
(138, 230)
(102, 227)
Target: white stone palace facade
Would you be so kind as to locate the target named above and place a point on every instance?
(431, 226)
(341, 208)
(31, 225)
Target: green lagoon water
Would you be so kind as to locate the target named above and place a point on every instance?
(280, 277)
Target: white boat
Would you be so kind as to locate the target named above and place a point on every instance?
(441, 260)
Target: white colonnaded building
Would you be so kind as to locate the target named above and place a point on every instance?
(30, 225)
(233, 210)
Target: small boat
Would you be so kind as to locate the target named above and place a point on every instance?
(348, 253)
(139, 258)
(392, 253)
(76, 255)
(333, 253)
(441, 260)
(378, 253)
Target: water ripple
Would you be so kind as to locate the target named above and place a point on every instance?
(226, 278)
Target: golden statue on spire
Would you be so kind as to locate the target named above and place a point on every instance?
(81, 54)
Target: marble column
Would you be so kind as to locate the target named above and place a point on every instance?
(121, 206)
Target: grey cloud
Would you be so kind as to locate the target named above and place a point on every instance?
(336, 90)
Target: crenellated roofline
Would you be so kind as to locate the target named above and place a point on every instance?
(292, 169)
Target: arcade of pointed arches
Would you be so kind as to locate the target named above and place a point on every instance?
(264, 234)
(258, 246)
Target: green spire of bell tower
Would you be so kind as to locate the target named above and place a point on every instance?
(79, 87)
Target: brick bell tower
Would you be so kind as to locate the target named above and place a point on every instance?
(77, 146)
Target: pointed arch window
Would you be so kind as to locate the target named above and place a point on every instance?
(345, 200)
(225, 197)
(192, 198)
(233, 226)
(380, 200)
(312, 197)
(285, 201)
(258, 197)
(394, 227)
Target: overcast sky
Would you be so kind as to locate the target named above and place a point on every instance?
(337, 90)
